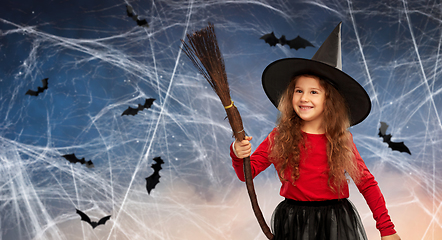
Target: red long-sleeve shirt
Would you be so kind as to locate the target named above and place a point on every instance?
(312, 182)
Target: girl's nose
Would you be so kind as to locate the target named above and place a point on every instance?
(304, 97)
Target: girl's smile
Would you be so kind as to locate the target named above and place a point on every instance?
(303, 108)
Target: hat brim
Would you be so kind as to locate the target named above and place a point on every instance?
(277, 76)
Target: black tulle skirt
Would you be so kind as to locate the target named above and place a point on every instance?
(318, 220)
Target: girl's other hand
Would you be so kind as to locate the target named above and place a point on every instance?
(391, 237)
(244, 148)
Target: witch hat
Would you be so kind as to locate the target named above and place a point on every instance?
(326, 64)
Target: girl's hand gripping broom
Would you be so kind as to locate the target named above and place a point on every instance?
(204, 53)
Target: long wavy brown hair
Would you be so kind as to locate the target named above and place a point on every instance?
(288, 140)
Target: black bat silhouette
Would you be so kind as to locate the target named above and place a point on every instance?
(130, 13)
(73, 159)
(295, 43)
(154, 179)
(40, 89)
(86, 218)
(397, 146)
(133, 111)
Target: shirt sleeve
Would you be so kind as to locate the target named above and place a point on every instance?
(369, 188)
(258, 160)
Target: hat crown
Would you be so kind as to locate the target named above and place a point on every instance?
(330, 51)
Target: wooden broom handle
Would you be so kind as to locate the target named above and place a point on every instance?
(253, 199)
(238, 131)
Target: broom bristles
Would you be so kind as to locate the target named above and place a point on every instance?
(204, 53)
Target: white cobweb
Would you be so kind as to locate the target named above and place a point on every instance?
(99, 63)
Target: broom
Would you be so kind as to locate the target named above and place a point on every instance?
(204, 53)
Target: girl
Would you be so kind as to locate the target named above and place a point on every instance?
(312, 149)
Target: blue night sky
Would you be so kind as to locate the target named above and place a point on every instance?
(99, 62)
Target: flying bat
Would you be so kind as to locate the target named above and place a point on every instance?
(39, 89)
(130, 13)
(133, 111)
(73, 159)
(295, 43)
(85, 218)
(154, 179)
(397, 146)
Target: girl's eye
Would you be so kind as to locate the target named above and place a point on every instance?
(314, 92)
(298, 91)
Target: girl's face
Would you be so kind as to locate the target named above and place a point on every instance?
(308, 100)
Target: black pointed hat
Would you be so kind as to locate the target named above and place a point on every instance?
(326, 64)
